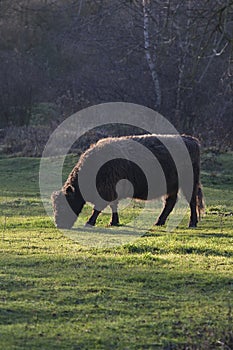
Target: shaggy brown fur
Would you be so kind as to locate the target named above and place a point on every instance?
(120, 168)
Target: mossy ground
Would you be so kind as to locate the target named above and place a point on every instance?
(162, 291)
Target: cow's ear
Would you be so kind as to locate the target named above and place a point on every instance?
(69, 189)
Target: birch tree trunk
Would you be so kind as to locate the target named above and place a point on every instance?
(150, 60)
(184, 46)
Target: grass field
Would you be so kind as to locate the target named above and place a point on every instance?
(162, 291)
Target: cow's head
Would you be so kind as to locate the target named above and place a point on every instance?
(66, 207)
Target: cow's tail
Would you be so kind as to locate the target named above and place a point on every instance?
(200, 202)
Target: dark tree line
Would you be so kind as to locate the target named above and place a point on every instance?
(174, 56)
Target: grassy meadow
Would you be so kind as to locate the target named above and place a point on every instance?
(165, 290)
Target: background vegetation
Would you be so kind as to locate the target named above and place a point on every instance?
(58, 57)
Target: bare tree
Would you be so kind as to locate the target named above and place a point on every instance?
(151, 59)
(172, 55)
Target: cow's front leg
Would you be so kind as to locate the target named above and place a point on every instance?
(93, 218)
(115, 218)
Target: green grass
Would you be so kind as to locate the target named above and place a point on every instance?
(161, 291)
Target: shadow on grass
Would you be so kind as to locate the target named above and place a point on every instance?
(101, 237)
(47, 289)
(120, 229)
(149, 248)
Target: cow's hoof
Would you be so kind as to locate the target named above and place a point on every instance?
(159, 223)
(114, 224)
(192, 226)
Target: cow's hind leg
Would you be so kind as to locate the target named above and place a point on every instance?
(115, 218)
(193, 205)
(193, 208)
(169, 205)
(93, 218)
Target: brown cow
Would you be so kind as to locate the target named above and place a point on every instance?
(114, 170)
